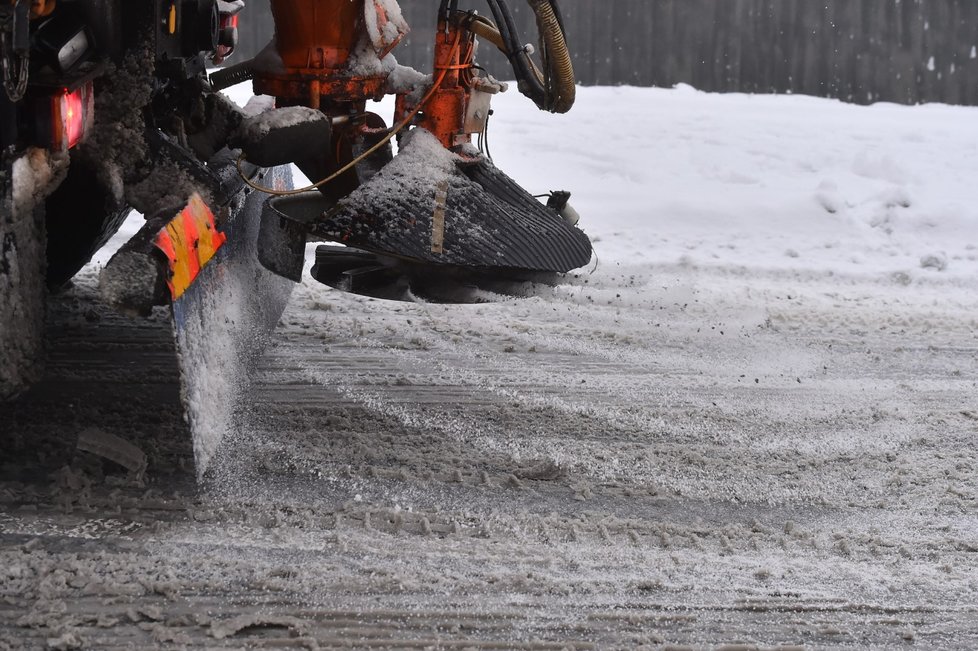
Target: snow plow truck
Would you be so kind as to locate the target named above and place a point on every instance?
(110, 106)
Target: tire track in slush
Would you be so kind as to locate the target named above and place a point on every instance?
(588, 452)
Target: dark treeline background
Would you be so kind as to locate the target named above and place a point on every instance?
(863, 51)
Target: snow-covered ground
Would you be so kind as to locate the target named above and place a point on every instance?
(752, 421)
(767, 182)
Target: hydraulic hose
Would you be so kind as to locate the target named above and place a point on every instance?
(560, 17)
(487, 31)
(553, 89)
(560, 83)
(529, 79)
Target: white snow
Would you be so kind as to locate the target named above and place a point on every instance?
(258, 104)
(745, 199)
(404, 79)
(422, 161)
(385, 26)
(707, 213)
(36, 174)
(257, 126)
(773, 182)
(384, 22)
(364, 61)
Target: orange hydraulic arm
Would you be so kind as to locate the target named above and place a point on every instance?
(328, 54)
(446, 111)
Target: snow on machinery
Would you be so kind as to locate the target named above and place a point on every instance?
(107, 106)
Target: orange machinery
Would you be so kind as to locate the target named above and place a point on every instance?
(318, 65)
(329, 58)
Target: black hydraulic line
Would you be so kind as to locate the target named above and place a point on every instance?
(485, 136)
(513, 46)
(501, 26)
(526, 78)
(552, 88)
(8, 127)
(516, 45)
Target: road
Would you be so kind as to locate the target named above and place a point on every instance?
(644, 457)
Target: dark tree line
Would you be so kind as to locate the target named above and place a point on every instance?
(904, 51)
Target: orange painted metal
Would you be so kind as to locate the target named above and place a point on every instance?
(318, 66)
(315, 41)
(41, 8)
(189, 241)
(385, 38)
(294, 88)
(444, 114)
(317, 34)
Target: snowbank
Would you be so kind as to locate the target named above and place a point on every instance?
(677, 175)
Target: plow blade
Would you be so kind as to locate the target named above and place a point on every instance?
(225, 304)
(222, 324)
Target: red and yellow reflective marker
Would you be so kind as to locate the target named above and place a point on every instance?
(189, 241)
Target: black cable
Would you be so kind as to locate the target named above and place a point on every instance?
(540, 91)
(510, 21)
(528, 82)
(514, 48)
(502, 27)
(484, 140)
(516, 45)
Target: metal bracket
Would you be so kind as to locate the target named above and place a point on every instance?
(15, 44)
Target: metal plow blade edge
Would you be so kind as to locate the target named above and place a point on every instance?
(225, 304)
(222, 324)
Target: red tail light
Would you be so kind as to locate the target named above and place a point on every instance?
(66, 118)
(227, 37)
(73, 116)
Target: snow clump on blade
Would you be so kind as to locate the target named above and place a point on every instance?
(421, 162)
(255, 128)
